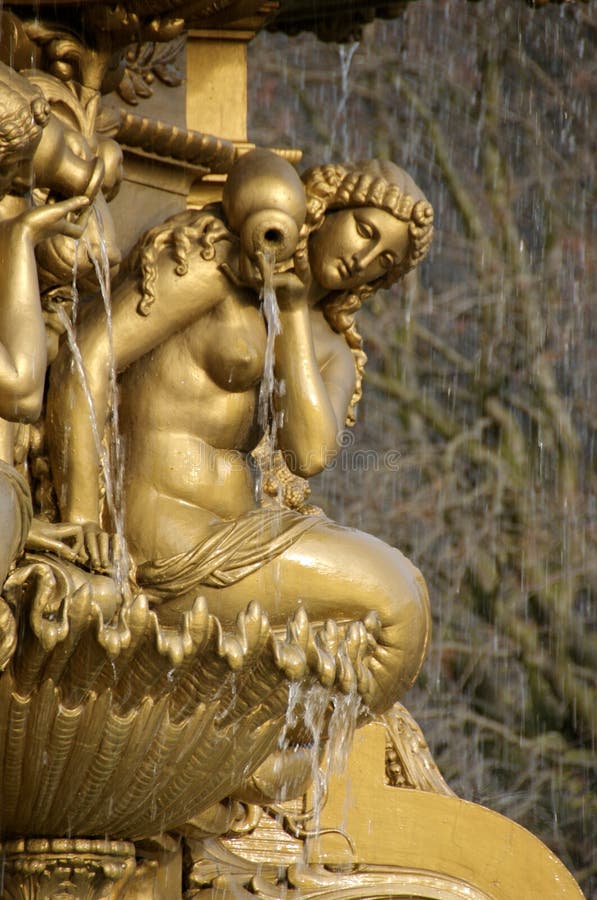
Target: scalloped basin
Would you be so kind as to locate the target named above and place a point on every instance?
(130, 728)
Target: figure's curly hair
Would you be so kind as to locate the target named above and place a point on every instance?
(179, 235)
(371, 183)
(21, 122)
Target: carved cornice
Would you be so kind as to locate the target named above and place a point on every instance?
(338, 20)
(329, 20)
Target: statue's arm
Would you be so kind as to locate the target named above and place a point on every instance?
(318, 372)
(22, 330)
(73, 405)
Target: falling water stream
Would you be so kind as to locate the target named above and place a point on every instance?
(100, 449)
(332, 718)
(267, 416)
(110, 458)
(329, 718)
(341, 123)
(120, 555)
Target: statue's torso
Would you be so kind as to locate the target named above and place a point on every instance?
(188, 413)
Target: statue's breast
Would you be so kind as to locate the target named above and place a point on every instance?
(229, 343)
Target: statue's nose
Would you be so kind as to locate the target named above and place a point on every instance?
(365, 256)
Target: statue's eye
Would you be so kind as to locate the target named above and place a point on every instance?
(364, 229)
(387, 260)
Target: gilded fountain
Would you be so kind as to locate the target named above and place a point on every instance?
(184, 637)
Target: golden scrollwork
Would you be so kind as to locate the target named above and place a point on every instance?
(146, 62)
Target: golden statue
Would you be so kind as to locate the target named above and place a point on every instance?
(189, 339)
(181, 633)
(24, 114)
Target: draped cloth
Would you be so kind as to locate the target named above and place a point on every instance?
(20, 500)
(232, 551)
(15, 509)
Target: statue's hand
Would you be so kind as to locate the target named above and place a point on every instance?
(44, 222)
(291, 292)
(97, 550)
(64, 539)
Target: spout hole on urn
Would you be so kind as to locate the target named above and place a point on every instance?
(273, 236)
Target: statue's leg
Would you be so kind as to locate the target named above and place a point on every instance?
(346, 575)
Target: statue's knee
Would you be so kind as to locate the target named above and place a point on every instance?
(403, 597)
(402, 636)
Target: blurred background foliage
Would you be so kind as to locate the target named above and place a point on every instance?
(480, 392)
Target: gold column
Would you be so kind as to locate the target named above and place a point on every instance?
(217, 82)
(216, 94)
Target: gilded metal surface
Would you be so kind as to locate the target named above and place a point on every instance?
(409, 762)
(377, 840)
(124, 715)
(209, 535)
(208, 152)
(437, 833)
(146, 62)
(157, 605)
(87, 869)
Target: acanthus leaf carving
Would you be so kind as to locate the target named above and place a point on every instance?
(146, 62)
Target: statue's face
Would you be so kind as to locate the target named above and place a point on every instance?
(354, 247)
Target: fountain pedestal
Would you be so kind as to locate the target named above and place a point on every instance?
(390, 827)
(38, 868)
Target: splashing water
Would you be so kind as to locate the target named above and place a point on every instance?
(294, 697)
(331, 719)
(316, 704)
(341, 729)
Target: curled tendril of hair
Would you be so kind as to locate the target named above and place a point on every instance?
(40, 110)
(179, 234)
(21, 123)
(372, 183)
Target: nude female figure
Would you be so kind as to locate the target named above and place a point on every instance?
(189, 342)
(23, 354)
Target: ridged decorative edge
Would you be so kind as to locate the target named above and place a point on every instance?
(193, 147)
(104, 726)
(42, 868)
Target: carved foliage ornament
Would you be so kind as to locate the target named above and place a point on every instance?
(64, 869)
(146, 62)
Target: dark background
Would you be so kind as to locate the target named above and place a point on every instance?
(479, 401)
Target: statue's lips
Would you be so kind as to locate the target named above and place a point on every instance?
(345, 270)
